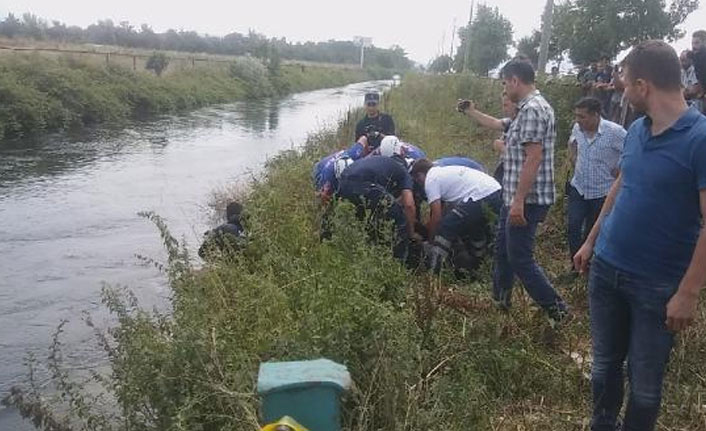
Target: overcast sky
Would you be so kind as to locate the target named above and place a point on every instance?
(422, 28)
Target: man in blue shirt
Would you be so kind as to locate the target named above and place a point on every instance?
(595, 147)
(324, 172)
(383, 184)
(650, 246)
(392, 146)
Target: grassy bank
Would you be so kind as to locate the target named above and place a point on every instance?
(421, 358)
(43, 94)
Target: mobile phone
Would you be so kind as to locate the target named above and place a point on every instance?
(463, 105)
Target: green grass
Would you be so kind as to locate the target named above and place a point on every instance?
(425, 353)
(43, 94)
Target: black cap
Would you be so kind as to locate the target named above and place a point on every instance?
(372, 97)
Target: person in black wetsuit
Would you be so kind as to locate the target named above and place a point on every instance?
(226, 238)
(375, 125)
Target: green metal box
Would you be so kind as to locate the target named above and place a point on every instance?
(308, 391)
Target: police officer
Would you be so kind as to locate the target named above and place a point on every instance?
(324, 172)
(383, 185)
(226, 238)
(376, 125)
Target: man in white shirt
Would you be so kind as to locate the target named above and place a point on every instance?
(468, 191)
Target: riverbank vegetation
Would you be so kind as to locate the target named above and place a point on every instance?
(45, 94)
(425, 353)
(30, 30)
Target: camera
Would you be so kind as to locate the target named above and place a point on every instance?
(372, 131)
(463, 106)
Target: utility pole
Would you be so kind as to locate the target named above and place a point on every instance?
(364, 42)
(547, 19)
(467, 54)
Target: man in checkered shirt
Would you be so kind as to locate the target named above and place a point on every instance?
(595, 147)
(528, 193)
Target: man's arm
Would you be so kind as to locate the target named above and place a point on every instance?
(528, 175)
(573, 152)
(681, 309)
(410, 212)
(434, 218)
(484, 120)
(583, 256)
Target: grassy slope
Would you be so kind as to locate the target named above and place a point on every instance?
(419, 359)
(45, 94)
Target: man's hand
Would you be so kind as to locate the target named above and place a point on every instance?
(582, 259)
(517, 214)
(681, 309)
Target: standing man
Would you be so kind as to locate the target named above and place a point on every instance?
(650, 246)
(376, 125)
(528, 193)
(595, 147)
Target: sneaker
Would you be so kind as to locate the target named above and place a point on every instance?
(501, 305)
(557, 316)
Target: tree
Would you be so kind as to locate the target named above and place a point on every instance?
(490, 36)
(157, 62)
(592, 29)
(441, 64)
(529, 46)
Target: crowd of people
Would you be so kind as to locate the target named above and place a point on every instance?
(636, 202)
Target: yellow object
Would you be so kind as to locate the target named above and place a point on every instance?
(284, 424)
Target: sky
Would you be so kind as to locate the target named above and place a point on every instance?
(424, 29)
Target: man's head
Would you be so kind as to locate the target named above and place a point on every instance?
(233, 212)
(651, 71)
(685, 59)
(372, 102)
(420, 169)
(518, 79)
(587, 113)
(698, 40)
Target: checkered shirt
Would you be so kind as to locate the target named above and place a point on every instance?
(534, 123)
(597, 159)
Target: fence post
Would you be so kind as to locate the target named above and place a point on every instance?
(107, 58)
(134, 63)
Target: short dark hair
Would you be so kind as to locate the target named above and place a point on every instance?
(700, 34)
(233, 211)
(421, 166)
(591, 104)
(519, 69)
(655, 62)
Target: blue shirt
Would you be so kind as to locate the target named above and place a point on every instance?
(388, 172)
(459, 161)
(597, 159)
(654, 225)
(324, 173)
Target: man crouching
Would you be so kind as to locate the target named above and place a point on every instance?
(468, 191)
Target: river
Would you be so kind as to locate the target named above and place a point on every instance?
(69, 204)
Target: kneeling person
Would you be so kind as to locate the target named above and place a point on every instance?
(469, 191)
(377, 183)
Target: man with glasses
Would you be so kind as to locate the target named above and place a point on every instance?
(375, 125)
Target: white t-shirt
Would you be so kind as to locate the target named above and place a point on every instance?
(455, 184)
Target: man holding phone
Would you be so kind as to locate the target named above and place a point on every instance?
(375, 125)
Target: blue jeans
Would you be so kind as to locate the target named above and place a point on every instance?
(514, 255)
(628, 315)
(583, 214)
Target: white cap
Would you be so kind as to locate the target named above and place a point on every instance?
(341, 165)
(391, 146)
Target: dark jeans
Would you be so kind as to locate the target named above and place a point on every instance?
(382, 205)
(628, 315)
(583, 214)
(468, 220)
(514, 255)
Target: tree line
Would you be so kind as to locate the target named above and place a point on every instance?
(106, 32)
(585, 31)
